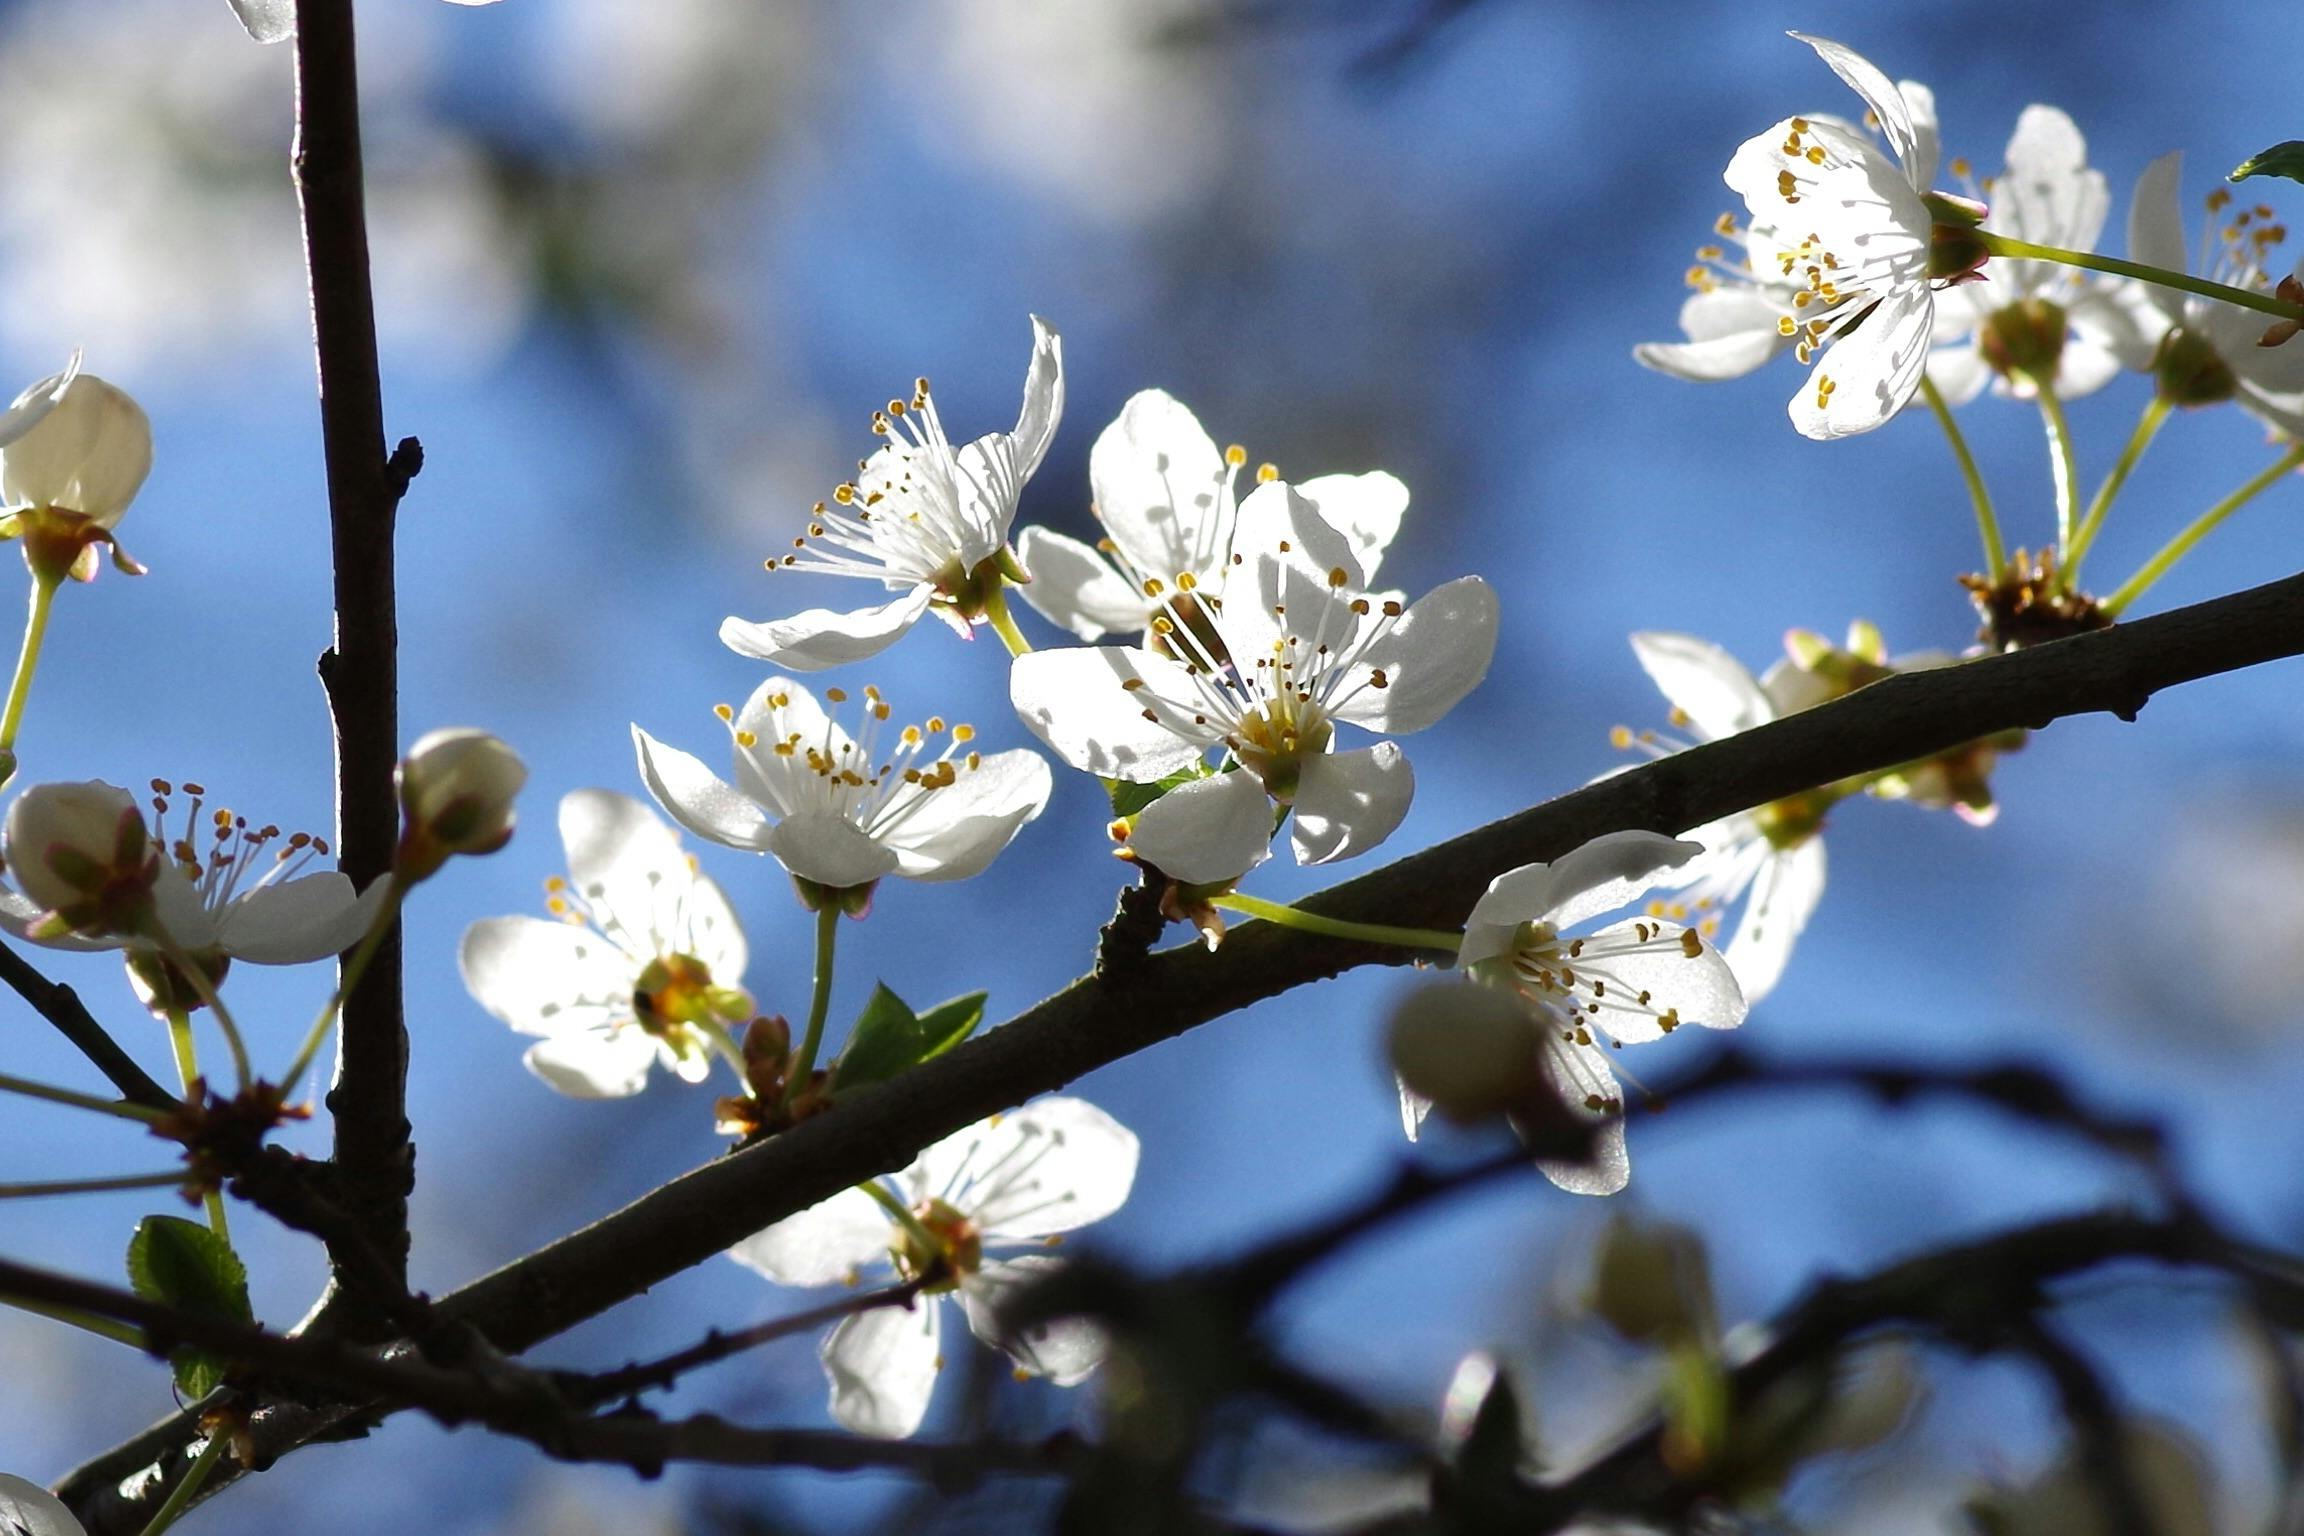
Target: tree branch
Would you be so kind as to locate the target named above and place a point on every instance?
(1096, 1021)
(360, 670)
(61, 1006)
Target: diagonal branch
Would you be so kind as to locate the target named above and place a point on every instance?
(1096, 1021)
(360, 669)
(61, 1006)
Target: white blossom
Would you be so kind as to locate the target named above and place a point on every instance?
(1771, 857)
(85, 449)
(839, 812)
(1631, 982)
(2047, 194)
(925, 519)
(1014, 1181)
(1168, 501)
(1296, 644)
(456, 789)
(219, 889)
(1839, 233)
(639, 967)
(2206, 350)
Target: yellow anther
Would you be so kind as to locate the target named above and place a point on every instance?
(1337, 576)
(963, 733)
(1620, 737)
(1691, 943)
(747, 739)
(836, 695)
(724, 712)
(1267, 473)
(1235, 456)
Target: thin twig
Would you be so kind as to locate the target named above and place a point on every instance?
(360, 670)
(61, 1006)
(714, 1347)
(2100, 1444)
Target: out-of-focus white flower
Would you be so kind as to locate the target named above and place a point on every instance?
(74, 450)
(26, 1509)
(1168, 502)
(2208, 351)
(457, 786)
(1629, 983)
(191, 254)
(1016, 1180)
(922, 518)
(1297, 644)
(839, 813)
(2023, 317)
(640, 969)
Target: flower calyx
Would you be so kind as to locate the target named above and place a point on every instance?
(1957, 250)
(2024, 341)
(765, 1108)
(2027, 604)
(938, 1247)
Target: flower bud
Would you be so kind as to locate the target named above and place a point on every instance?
(456, 793)
(81, 851)
(1474, 1052)
(1651, 1281)
(89, 454)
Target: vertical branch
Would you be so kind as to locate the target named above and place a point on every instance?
(372, 1151)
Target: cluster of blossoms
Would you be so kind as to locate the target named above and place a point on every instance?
(1852, 261)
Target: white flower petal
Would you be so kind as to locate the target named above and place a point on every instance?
(1717, 693)
(1413, 1109)
(1066, 1351)
(1960, 373)
(1874, 370)
(545, 978)
(1585, 1082)
(181, 914)
(1888, 104)
(1294, 555)
(1607, 873)
(1784, 894)
(1731, 331)
(962, 827)
(1920, 106)
(31, 407)
(829, 849)
(782, 711)
(2156, 228)
(34, 1511)
(1208, 831)
(882, 1365)
(295, 922)
(1700, 988)
(1161, 490)
(1075, 588)
(1367, 509)
(697, 798)
(1348, 802)
(604, 1063)
(818, 638)
(1054, 1165)
(1436, 653)
(267, 21)
(2047, 194)
(1043, 399)
(1076, 700)
(627, 866)
(825, 1244)
(18, 912)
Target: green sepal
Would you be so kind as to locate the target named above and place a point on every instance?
(890, 1038)
(184, 1265)
(2283, 159)
(1129, 799)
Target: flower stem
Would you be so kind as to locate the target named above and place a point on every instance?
(1987, 522)
(197, 975)
(996, 614)
(44, 587)
(2199, 528)
(88, 1322)
(181, 1495)
(2147, 427)
(804, 1061)
(121, 1108)
(2246, 298)
(188, 1069)
(2063, 462)
(354, 969)
(92, 1186)
(901, 1214)
(1337, 928)
(725, 1047)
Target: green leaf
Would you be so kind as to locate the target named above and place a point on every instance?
(1128, 798)
(184, 1265)
(2285, 159)
(889, 1037)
